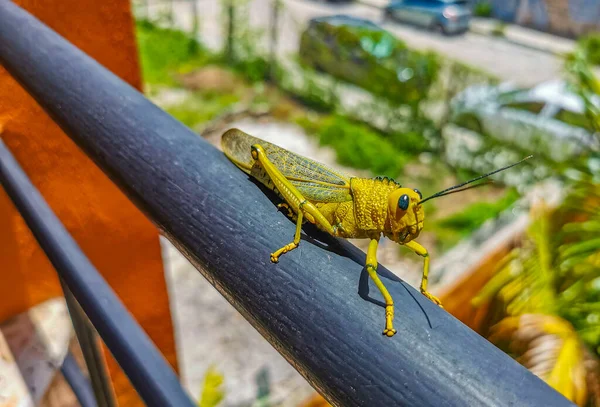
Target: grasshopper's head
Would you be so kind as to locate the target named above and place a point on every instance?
(405, 215)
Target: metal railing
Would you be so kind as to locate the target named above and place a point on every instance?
(146, 368)
(78, 382)
(306, 306)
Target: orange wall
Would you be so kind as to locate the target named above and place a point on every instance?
(457, 297)
(116, 237)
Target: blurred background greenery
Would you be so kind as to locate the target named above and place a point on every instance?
(426, 120)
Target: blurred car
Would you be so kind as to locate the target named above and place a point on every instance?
(362, 53)
(446, 16)
(548, 119)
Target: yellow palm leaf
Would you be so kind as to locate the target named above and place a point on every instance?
(212, 389)
(551, 349)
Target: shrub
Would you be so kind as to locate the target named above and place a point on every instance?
(475, 215)
(591, 46)
(202, 107)
(412, 140)
(358, 146)
(305, 87)
(372, 59)
(165, 50)
(483, 9)
(316, 97)
(499, 30)
(253, 69)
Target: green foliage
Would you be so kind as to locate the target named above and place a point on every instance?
(499, 30)
(555, 273)
(242, 52)
(202, 107)
(475, 215)
(590, 44)
(455, 77)
(212, 389)
(314, 95)
(483, 9)
(410, 142)
(165, 51)
(357, 145)
(372, 59)
(585, 83)
(557, 269)
(253, 69)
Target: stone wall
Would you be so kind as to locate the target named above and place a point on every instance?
(570, 18)
(573, 17)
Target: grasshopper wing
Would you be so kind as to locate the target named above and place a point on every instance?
(314, 180)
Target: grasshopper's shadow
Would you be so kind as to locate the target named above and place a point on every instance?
(343, 248)
(348, 250)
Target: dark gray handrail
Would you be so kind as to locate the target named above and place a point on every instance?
(307, 305)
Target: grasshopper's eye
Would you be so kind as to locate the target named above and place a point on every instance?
(403, 202)
(419, 193)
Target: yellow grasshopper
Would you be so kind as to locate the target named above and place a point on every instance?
(343, 206)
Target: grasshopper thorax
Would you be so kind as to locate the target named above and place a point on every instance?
(405, 215)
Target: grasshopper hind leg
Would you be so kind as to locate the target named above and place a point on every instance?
(294, 200)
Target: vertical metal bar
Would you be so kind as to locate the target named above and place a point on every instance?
(78, 382)
(229, 53)
(195, 20)
(146, 368)
(274, 34)
(88, 341)
(171, 6)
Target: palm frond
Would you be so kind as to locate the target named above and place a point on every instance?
(546, 296)
(525, 281)
(550, 348)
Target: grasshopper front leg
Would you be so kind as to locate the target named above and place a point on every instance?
(295, 201)
(289, 247)
(421, 251)
(371, 267)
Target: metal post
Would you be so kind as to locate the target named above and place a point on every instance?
(229, 51)
(78, 382)
(276, 7)
(171, 12)
(88, 341)
(195, 20)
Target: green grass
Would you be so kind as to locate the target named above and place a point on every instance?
(357, 145)
(463, 223)
(202, 107)
(165, 52)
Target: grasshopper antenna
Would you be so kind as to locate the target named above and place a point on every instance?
(459, 187)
